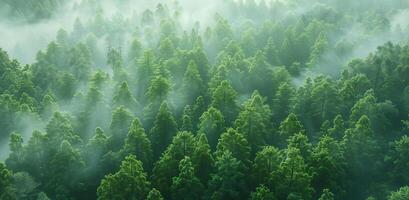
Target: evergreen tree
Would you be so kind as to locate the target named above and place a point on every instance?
(119, 127)
(130, 182)
(162, 132)
(361, 150)
(192, 83)
(166, 168)
(212, 124)
(253, 121)
(124, 98)
(186, 185)
(266, 161)
(224, 98)
(236, 144)
(262, 193)
(154, 194)
(282, 102)
(202, 159)
(292, 179)
(138, 144)
(228, 180)
(290, 126)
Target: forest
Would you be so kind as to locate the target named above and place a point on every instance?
(204, 99)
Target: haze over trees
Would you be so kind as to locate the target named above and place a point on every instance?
(235, 99)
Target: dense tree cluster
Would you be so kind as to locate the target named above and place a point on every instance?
(214, 112)
(31, 10)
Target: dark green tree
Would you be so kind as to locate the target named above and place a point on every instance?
(130, 182)
(228, 180)
(224, 98)
(186, 185)
(162, 132)
(138, 144)
(212, 124)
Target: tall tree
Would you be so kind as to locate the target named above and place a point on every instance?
(186, 185)
(202, 159)
(119, 127)
(228, 180)
(192, 83)
(138, 144)
(124, 97)
(162, 132)
(224, 98)
(212, 124)
(236, 144)
(254, 122)
(361, 150)
(292, 179)
(130, 182)
(266, 161)
(166, 168)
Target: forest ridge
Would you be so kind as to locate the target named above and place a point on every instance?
(219, 100)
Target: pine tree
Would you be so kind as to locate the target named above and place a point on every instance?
(192, 83)
(290, 126)
(130, 182)
(266, 161)
(292, 178)
(282, 102)
(154, 194)
(162, 132)
(138, 144)
(262, 193)
(186, 185)
(183, 145)
(212, 124)
(202, 159)
(119, 127)
(361, 150)
(124, 98)
(254, 122)
(228, 180)
(236, 144)
(224, 98)
(329, 164)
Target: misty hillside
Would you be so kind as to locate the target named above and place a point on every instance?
(204, 99)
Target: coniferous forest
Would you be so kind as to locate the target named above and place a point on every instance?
(204, 99)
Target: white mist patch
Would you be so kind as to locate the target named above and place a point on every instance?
(401, 19)
(26, 123)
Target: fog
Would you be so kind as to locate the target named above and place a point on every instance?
(86, 69)
(24, 39)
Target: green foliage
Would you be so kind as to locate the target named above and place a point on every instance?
(292, 177)
(138, 144)
(266, 161)
(402, 193)
(162, 132)
(235, 143)
(186, 185)
(258, 102)
(130, 182)
(212, 124)
(154, 194)
(262, 193)
(166, 168)
(254, 121)
(228, 180)
(224, 98)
